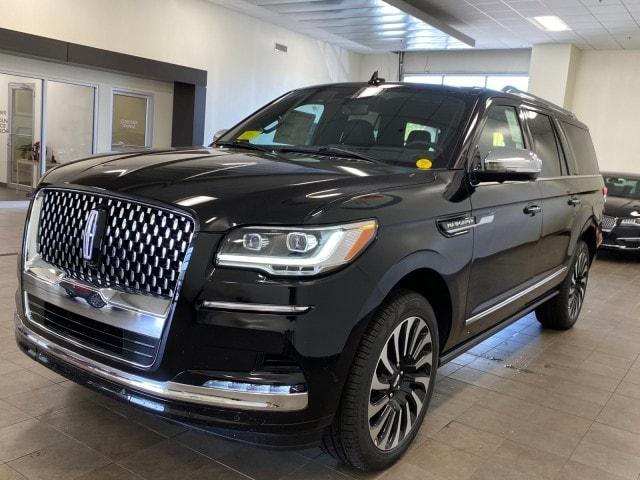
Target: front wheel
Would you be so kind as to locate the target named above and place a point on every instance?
(562, 311)
(389, 386)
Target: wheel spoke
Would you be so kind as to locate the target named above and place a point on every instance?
(423, 343)
(375, 407)
(380, 423)
(384, 358)
(426, 359)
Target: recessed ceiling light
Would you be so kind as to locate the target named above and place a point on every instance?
(550, 23)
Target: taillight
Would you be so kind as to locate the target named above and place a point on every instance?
(605, 190)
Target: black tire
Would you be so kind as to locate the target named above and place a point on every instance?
(351, 436)
(562, 311)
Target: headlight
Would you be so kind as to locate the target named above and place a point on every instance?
(630, 222)
(296, 251)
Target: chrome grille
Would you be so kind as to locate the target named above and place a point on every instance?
(608, 223)
(143, 247)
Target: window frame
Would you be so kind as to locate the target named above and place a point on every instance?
(491, 103)
(564, 168)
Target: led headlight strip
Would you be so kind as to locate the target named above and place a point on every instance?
(296, 251)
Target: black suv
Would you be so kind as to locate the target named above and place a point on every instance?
(621, 220)
(303, 278)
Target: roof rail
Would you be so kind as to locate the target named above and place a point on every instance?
(529, 96)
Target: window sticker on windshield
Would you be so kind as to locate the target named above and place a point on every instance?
(514, 128)
(498, 139)
(424, 164)
(249, 135)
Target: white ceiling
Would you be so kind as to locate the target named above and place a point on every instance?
(595, 24)
(378, 26)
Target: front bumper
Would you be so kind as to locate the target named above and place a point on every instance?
(47, 352)
(621, 238)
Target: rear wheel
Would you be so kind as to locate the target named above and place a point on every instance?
(389, 386)
(562, 311)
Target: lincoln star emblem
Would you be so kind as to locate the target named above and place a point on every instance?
(93, 230)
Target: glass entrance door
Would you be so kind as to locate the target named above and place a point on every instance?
(20, 119)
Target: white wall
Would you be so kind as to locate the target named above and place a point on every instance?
(552, 72)
(513, 61)
(244, 70)
(606, 97)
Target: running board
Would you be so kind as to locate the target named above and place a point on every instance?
(472, 342)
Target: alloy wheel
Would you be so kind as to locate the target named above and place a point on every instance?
(400, 383)
(578, 289)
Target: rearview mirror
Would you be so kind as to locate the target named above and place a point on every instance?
(504, 164)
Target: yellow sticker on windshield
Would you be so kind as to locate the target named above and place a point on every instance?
(424, 164)
(249, 135)
(498, 139)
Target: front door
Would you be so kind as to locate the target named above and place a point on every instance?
(509, 224)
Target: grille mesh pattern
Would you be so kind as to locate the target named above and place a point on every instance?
(608, 223)
(142, 250)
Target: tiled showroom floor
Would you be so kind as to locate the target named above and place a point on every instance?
(525, 404)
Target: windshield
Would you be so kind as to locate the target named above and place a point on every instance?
(625, 187)
(397, 124)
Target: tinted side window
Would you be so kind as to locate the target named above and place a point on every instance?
(545, 143)
(582, 147)
(501, 130)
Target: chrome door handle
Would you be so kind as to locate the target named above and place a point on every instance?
(532, 210)
(574, 201)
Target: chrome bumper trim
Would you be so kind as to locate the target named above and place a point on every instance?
(143, 314)
(517, 296)
(171, 391)
(254, 307)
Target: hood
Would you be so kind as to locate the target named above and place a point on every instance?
(228, 187)
(621, 206)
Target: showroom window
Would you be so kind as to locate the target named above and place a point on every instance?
(131, 118)
(492, 81)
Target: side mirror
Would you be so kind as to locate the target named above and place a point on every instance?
(503, 164)
(218, 134)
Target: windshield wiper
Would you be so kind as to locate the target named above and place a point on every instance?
(331, 150)
(251, 146)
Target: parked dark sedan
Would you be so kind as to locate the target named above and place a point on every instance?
(621, 220)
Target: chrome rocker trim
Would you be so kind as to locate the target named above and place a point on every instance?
(517, 296)
(171, 391)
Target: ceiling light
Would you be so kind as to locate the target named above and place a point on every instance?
(550, 23)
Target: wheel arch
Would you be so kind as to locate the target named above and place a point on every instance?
(589, 234)
(429, 274)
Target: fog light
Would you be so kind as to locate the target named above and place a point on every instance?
(246, 387)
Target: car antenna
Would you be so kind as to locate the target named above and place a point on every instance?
(375, 79)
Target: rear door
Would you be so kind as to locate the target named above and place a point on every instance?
(558, 206)
(508, 226)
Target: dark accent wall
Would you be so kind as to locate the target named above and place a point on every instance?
(189, 83)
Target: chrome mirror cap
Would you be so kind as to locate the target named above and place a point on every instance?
(511, 164)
